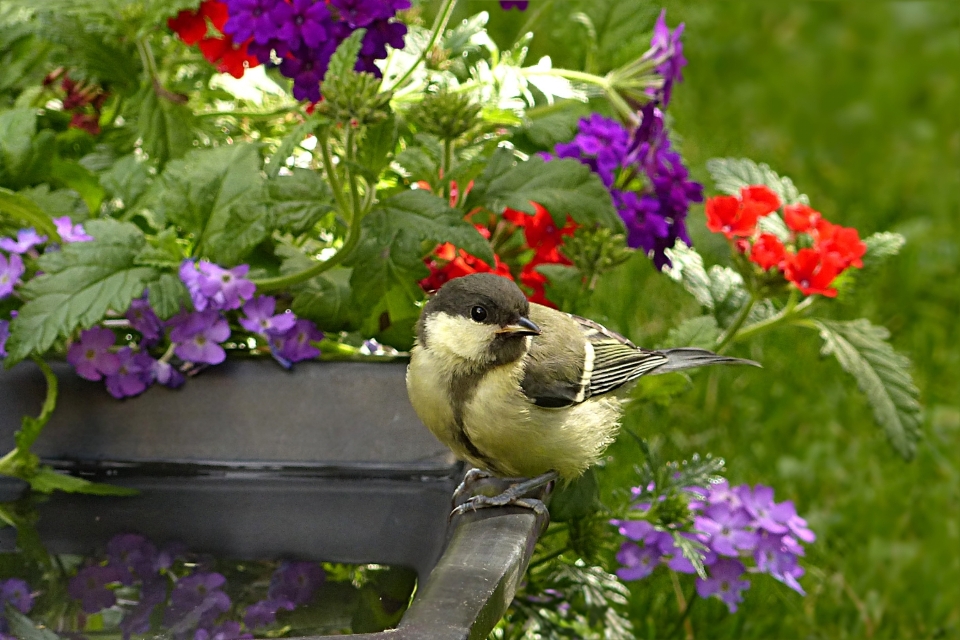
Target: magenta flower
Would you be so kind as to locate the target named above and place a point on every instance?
(768, 515)
(261, 319)
(167, 375)
(506, 5)
(91, 356)
(143, 319)
(724, 582)
(26, 240)
(638, 562)
(133, 376)
(10, 271)
(296, 582)
(725, 530)
(251, 19)
(667, 48)
(91, 587)
(302, 23)
(197, 336)
(295, 345)
(773, 557)
(360, 13)
(16, 592)
(70, 232)
(213, 287)
(264, 612)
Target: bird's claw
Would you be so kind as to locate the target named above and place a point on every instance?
(522, 492)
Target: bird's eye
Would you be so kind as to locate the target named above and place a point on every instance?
(478, 313)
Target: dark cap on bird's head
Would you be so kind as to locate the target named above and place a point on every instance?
(483, 299)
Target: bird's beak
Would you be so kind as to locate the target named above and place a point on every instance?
(522, 327)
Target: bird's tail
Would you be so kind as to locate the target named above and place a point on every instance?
(688, 358)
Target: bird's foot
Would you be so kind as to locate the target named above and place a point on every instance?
(517, 492)
(476, 481)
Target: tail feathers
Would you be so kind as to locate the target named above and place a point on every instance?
(688, 358)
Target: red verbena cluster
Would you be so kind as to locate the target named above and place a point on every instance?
(82, 98)
(811, 257)
(540, 234)
(219, 49)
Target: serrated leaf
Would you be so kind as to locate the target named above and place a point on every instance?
(418, 164)
(299, 201)
(661, 389)
(732, 174)
(378, 144)
(326, 300)
(701, 331)
(167, 295)
(25, 154)
(48, 480)
(199, 191)
(881, 246)
(564, 187)
(26, 212)
(26, 629)
(127, 179)
(165, 128)
(80, 283)
(728, 293)
(687, 269)
(344, 59)
(882, 374)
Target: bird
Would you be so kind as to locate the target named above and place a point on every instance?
(523, 391)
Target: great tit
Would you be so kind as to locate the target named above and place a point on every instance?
(522, 390)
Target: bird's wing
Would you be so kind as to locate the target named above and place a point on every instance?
(605, 360)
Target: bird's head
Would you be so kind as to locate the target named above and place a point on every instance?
(481, 319)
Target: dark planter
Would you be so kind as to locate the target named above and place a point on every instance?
(328, 462)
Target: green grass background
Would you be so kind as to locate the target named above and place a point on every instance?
(858, 102)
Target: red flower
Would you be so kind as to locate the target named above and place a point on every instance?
(768, 251)
(189, 25)
(89, 122)
(813, 271)
(216, 12)
(541, 231)
(800, 217)
(726, 215)
(227, 55)
(535, 281)
(459, 263)
(760, 198)
(845, 244)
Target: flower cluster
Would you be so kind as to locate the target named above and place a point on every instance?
(810, 254)
(84, 99)
(298, 35)
(737, 527)
(186, 597)
(15, 593)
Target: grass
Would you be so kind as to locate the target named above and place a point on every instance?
(858, 103)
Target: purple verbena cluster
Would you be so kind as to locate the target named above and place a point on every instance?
(15, 593)
(742, 530)
(188, 599)
(514, 4)
(195, 336)
(303, 34)
(647, 179)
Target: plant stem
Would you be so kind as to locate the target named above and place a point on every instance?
(282, 282)
(737, 324)
(788, 314)
(351, 178)
(332, 176)
(439, 24)
(446, 166)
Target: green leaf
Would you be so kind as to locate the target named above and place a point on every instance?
(344, 59)
(564, 187)
(701, 331)
(25, 155)
(377, 146)
(564, 285)
(290, 142)
(881, 246)
(720, 290)
(198, 192)
(79, 285)
(166, 128)
(420, 164)
(26, 629)
(732, 174)
(48, 480)
(127, 179)
(74, 176)
(577, 499)
(661, 389)
(298, 201)
(167, 295)
(882, 374)
(326, 300)
(26, 211)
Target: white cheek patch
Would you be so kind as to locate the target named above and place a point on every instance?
(461, 337)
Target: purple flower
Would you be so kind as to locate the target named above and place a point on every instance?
(197, 336)
(638, 562)
(294, 345)
(666, 47)
(4, 334)
(725, 530)
(133, 376)
(678, 562)
(260, 318)
(641, 216)
(296, 582)
(724, 582)
(10, 271)
(89, 586)
(26, 240)
(229, 630)
(16, 592)
(302, 23)
(723, 493)
(307, 68)
(601, 144)
(143, 319)
(70, 232)
(251, 19)
(198, 596)
(381, 33)
(91, 356)
(773, 558)
(167, 375)
(506, 5)
(360, 13)
(214, 287)
(766, 513)
(134, 554)
(264, 612)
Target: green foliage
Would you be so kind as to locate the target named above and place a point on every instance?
(25, 154)
(720, 290)
(882, 374)
(79, 285)
(701, 331)
(24, 628)
(732, 174)
(166, 128)
(880, 246)
(26, 212)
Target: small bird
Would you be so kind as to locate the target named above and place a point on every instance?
(521, 390)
